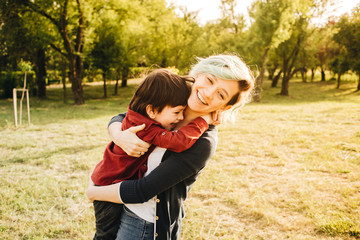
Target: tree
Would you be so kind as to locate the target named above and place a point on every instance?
(289, 51)
(324, 44)
(25, 39)
(349, 37)
(68, 21)
(272, 24)
(308, 58)
(340, 65)
(104, 51)
(227, 33)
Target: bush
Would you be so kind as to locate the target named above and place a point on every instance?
(8, 81)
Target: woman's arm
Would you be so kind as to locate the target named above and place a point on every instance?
(127, 139)
(176, 168)
(109, 193)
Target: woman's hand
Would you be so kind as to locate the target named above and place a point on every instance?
(214, 118)
(127, 139)
(90, 190)
(109, 193)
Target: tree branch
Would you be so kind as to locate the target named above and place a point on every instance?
(40, 11)
(58, 50)
(80, 30)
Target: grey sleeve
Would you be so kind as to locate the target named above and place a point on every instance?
(117, 118)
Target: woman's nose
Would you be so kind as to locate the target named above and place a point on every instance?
(210, 92)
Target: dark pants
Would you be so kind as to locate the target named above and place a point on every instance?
(107, 216)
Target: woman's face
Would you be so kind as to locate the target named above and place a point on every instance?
(210, 93)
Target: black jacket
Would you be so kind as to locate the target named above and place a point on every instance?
(170, 181)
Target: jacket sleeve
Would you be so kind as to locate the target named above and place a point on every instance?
(117, 118)
(175, 168)
(177, 141)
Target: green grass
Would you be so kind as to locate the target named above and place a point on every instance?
(288, 168)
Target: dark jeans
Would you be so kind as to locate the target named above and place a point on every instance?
(107, 217)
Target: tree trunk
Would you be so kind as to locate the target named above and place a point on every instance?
(285, 86)
(285, 79)
(312, 74)
(358, 87)
(271, 73)
(275, 80)
(338, 81)
(63, 80)
(116, 83)
(76, 84)
(260, 78)
(73, 55)
(125, 73)
(322, 75)
(104, 80)
(40, 70)
(304, 74)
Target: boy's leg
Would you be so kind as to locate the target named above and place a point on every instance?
(107, 217)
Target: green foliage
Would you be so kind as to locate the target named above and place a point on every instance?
(349, 37)
(24, 66)
(121, 35)
(8, 81)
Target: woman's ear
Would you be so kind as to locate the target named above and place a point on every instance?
(227, 107)
(150, 111)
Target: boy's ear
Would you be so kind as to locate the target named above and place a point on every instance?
(150, 111)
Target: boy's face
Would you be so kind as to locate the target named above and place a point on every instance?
(169, 116)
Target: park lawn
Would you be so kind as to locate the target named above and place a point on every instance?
(287, 168)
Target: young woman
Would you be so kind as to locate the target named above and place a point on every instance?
(154, 204)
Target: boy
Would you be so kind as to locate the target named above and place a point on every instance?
(158, 102)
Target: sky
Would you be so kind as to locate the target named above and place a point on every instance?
(209, 9)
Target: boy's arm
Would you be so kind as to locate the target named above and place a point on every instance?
(177, 141)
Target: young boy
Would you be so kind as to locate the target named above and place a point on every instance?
(159, 102)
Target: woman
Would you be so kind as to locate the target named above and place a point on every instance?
(222, 83)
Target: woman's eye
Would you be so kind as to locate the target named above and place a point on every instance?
(210, 80)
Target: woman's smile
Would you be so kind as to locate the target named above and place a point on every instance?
(201, 99)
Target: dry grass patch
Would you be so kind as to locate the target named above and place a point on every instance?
(288, 168)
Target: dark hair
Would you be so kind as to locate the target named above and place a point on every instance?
(160, 88)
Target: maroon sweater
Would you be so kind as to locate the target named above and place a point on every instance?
(117, 166)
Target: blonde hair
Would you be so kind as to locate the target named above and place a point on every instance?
(228, 67)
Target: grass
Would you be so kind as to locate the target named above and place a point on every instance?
(288, 168)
